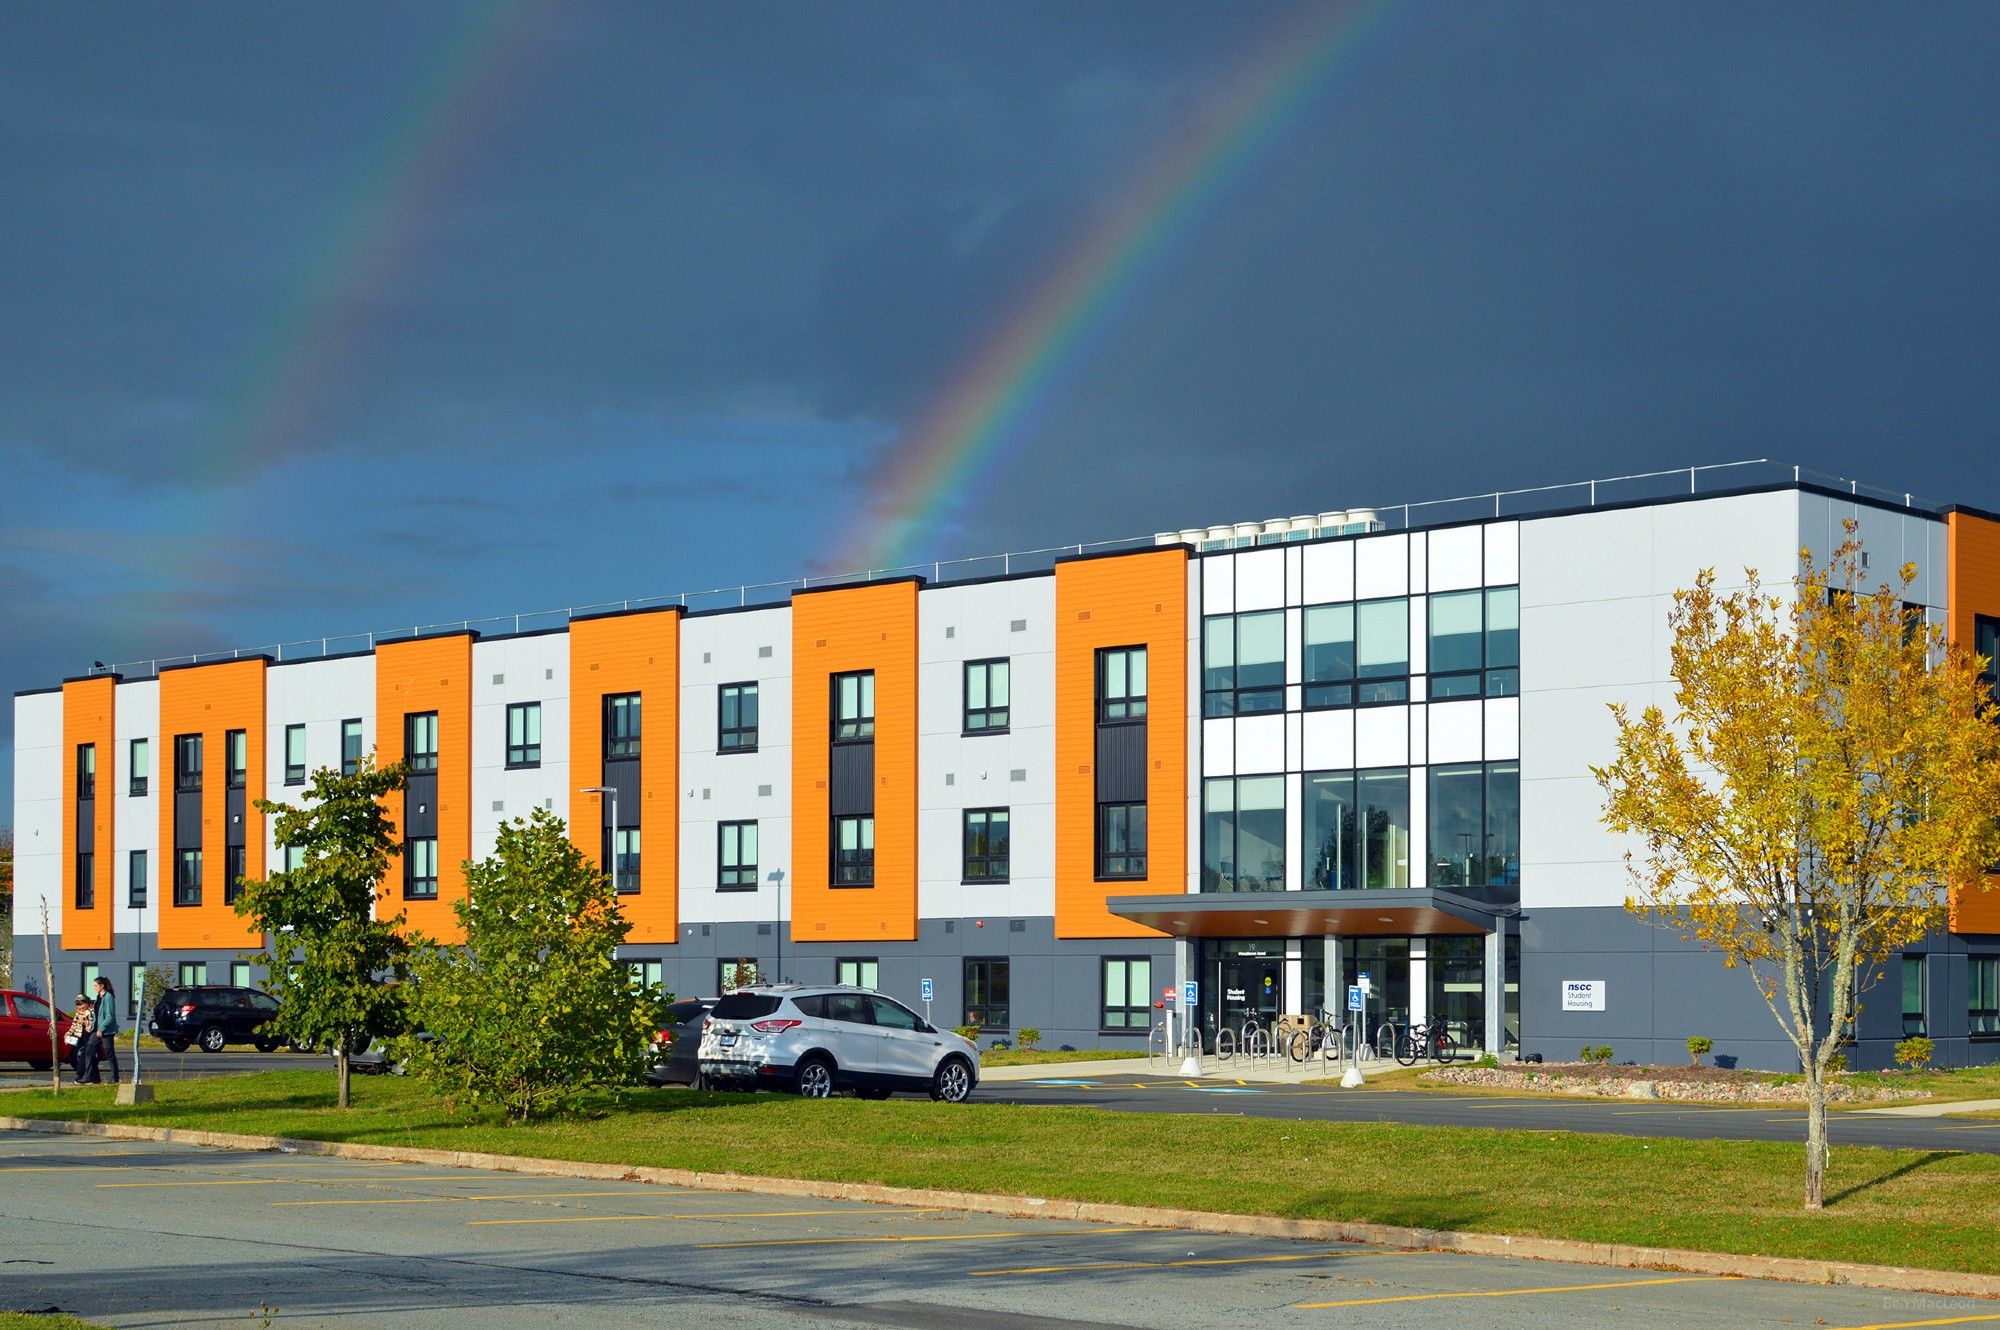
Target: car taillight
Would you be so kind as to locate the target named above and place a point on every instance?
(664, 1038)
(774, 1026)
(188, 1009)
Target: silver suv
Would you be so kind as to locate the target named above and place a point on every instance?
(817, 1039)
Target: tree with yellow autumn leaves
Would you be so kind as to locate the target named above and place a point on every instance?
(1832, 766)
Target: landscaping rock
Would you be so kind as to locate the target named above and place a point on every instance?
(1708, 1085)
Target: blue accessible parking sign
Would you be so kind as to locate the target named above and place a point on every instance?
(1354, 997)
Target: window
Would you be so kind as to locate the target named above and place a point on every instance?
(1243, 834)
(623, 844)
(739, 973)
(858, 973)
(1475, 825)
(233, 869)
(420, 740)
(854, 851)
(854, 707)
(292, 857)
(139, 767)
(187, 763)
(236, 757)
(986, 992)
(136, 879)
(621, 726)
(350, 746)
(193, 973)
(1986, 643)
(1357, 829)
(986, 844)
(736, 718)
(1475, 646)
(295, 754)
(1243, 664)
(524, 734)
(187, 877)
(988, 706)
(1357, 654)
(1121, 841)
(891, 1015)
(1914, 1013)
(646, 976)
(135, 983)
(736, 856)
(1982, 995)
(239, 973)
(86, 880)
(420, 868)
(87, 978)
(1128, 994)
(86, 771)
(1121, 685)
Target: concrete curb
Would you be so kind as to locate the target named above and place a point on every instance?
(1617, 1255)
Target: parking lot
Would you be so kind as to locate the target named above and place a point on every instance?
(175, 1234)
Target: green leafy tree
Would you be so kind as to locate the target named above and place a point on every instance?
(535, 1007)
(329, 958)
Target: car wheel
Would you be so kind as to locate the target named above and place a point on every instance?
(953, 1081)
(176, 1045)
(43, 1065)
(213, 1040)
(700, 1082)
(814, 1078)
(876, 1093)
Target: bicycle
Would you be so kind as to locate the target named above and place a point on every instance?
(1431, 1041)
(1322, 1038)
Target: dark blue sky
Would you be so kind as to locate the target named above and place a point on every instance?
(674, 280)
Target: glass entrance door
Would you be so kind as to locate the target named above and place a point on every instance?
(1250, 986)
(1386, 962)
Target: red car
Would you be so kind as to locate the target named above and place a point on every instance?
(24, 1029)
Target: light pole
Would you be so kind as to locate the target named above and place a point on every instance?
(777, 878)
(610, 859)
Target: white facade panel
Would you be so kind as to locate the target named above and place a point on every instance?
(1295, 563)
(1420, 571)
(37, 819)
(1329, 571)
(1014, 770)
(1328, 740)
(1503, 553)
(1420, 735)
(1218, 584)
(507, 672)
(136, 823)
(1218, 747)
(1381, 566)
(1260, 580)
(1503, 729)
(1456, 731)
(1260, 745)
(318, 694)
(1382, 737)
(1457, 558)
(749, 646)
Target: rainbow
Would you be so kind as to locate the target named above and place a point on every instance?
(990, 404)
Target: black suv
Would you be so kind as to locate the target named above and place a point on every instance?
(214, 1016)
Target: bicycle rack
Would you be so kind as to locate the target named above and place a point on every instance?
(1225, 1044)
(1386, 1028)
(1156, 1046)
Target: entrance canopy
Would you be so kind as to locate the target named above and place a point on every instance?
(1403, 912)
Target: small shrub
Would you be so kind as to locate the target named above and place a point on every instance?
(1915, 1052)
(969, 1033)
(1837, 1063)
(999, 1044)
(1028, 1036)
(1599, 1053)
(1486, 1060)
(1698, 1048)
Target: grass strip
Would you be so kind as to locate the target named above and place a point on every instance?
(1934, 1209)
(45, 1321)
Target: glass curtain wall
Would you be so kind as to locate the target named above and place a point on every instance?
(1243, 834)
(1357, 829)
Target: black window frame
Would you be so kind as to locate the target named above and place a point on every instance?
(523, 754)
(1488, 679)
(415, 887)
(858, 870)
(1126, 870)
(979, 869)
(1128, 708)
(1105, 1007)
(187, 885)
(1983, 1021)
(138, 767)
(1433, 824)
(86, 880)
(235, 865)
(1235, 699)
(421, 761)
(350, 762)
(1917, 1022)
(737, 738)
(138, 878)
(627, 869)
(858, 728)
(1332, 690)
(187, 763)
(86, 771)
(1986, 642)
(737, 876)
(841, 963)
(295, 772)
(988, 967)
(988, 719)
(236, 758)
(623, 725)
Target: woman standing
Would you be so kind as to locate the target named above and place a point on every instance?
(104, 1030)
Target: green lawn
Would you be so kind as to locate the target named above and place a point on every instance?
(1025, 1057)
(1892, 1207)
(30, 1321)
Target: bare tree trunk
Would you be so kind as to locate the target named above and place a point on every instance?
(1815, 1135)
(49, 991)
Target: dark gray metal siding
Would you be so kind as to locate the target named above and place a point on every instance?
(420, 806)
(851, 780)
(1121, 764)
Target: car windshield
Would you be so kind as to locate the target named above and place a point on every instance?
(745, 1006)
(30, 1008)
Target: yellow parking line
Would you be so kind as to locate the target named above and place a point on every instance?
(1912, 1325)
(273, 1182)
(1972, 1126)
(719, 1214)
(1210, 1260)
(1520, 1292)
(449, 1200)
(938, 1237)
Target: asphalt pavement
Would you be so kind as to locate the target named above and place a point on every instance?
(147, 1234)
(160, 1065)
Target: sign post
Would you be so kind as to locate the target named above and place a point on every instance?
(1357, 1002)
(928, 991)
(1190, 1035)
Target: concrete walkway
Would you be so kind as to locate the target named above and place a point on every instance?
(1267, 1070)
(1945, 1109)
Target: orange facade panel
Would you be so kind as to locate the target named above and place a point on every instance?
(841, 631)
(210, 700)
(1119, 601)
(631, 653)
(1972, 588)
(88, 709)
(429, 674)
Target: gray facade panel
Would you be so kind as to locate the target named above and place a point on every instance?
(1121, 763)
(420, 807)
(187, 819)
(851, 780)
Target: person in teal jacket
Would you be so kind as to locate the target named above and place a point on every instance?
(103, 1033)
